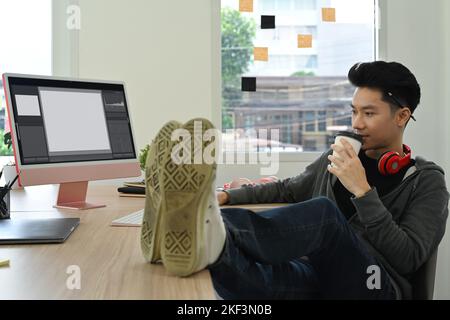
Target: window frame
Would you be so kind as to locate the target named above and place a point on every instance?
(380, 36)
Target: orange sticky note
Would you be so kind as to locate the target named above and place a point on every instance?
(261, 54)
(329, 14)
(305, 40)
(246, 5)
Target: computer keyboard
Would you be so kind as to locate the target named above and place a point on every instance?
(132, 220)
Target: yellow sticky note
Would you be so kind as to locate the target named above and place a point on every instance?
(4, 263)
(246, 5)
(329, 14)
(305, 40)
(261, 54)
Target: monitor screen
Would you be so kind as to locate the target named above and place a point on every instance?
(65, 121)
(69, 132)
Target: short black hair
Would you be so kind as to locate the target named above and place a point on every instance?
(397, 84)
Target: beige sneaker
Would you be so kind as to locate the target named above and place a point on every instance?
(192, 227)
(150, 235)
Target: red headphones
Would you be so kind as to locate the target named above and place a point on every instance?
(391, 162)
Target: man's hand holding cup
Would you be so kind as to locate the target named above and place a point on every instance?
(346, 165)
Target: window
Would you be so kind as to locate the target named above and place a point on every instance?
(322, 121)
(26, 44)
(305, 4)
(308, 84)
(300, 121)
(310, 119)
(343, 119)
(267, 5)
(310, 145)
(305, 30)
(283, 5)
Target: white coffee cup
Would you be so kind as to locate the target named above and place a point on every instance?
(354, 139)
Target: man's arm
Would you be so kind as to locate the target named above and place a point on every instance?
(289, 190)
(409, 243)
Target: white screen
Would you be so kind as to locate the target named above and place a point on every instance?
(27, 105)
(74, 120)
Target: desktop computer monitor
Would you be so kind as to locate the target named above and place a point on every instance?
(68, 132)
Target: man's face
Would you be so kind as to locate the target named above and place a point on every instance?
(372, 118)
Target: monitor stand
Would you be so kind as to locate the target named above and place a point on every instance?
(72, 195)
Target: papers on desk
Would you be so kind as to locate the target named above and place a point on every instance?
(131, 195)
(132, 189)
(137, 184)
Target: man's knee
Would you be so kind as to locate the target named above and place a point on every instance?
(329, 207)
(326, 202)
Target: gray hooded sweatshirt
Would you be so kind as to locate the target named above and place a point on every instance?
(401, 229)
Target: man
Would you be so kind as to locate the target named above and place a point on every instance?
(353, 233)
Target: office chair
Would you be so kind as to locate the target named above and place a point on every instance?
(423, 279)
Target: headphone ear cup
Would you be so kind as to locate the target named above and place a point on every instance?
(384, 162)
(393, 164)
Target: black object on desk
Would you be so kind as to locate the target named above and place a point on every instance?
(4, 203)
(22, 231)
(4, 198)
(133, 190)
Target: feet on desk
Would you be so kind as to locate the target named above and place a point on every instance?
(192, 229)
(150, 232)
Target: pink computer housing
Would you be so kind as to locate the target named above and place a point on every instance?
(72, 177)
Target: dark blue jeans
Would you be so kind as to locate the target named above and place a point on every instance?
(302, 251)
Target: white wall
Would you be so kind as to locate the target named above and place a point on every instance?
(161, 49)
(167, 53)
(415, 33)
(442, 290)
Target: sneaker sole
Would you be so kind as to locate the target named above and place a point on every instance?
(151, 224)
(186, 190)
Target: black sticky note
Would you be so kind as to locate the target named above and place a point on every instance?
(267, 22)
(248, 84)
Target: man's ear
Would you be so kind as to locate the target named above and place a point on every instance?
(403, 116)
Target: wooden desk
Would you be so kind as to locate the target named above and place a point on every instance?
(110, 259)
